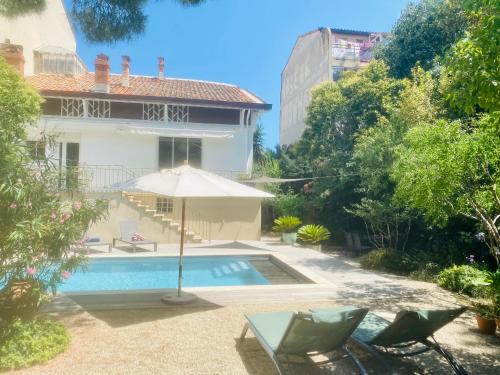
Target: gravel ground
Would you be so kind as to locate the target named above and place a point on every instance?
(204, 340)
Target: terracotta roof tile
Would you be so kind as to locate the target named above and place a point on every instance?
(178, 90)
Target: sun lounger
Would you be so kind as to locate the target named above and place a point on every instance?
(284, 335)
(128, 229)
(90, 241)
(409, 328)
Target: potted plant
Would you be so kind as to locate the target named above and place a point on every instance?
(287, 226)
(313, 235)
(488, 315)
(485, 319)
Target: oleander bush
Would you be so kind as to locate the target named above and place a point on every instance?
(464, 279)
(24, 344)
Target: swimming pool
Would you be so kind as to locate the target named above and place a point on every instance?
(139, 273)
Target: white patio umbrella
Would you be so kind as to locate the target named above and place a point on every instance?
(186, 182)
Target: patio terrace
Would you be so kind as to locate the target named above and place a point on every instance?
(140, 335)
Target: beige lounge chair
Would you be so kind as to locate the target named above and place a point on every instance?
(127, 230)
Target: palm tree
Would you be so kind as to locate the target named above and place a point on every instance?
(258, 143)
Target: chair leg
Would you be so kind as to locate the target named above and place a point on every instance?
(377, 355)
(155, 247)
(454, 363)
(109, 248)
(244, 332)
(357, 362)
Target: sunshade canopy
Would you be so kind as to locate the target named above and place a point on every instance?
(188, 182)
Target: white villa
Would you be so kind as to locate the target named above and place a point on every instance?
(113, 127)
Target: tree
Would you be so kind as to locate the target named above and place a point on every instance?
(258, 143)
(101, 21)
(472, 72)
(445, 169)
(337, 113)
(424, 30)
(37, 226)
(388, 223)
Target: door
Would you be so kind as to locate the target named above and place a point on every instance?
(72, 160)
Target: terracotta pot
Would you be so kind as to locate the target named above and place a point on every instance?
(497, 320)
(487, 326)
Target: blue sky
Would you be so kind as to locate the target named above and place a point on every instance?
(243, 42)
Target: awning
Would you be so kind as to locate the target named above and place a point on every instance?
(184, 133)
(272, 180)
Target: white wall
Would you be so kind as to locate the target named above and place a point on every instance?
(48, 28)
(307, 66)
(119, 148)
(228, 154)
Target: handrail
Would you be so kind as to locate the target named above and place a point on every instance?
(101, 178)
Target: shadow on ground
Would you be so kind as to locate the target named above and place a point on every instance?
(122, 309)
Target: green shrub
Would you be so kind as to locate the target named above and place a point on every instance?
(313, 234)
(387, 260)
(286, 224)
(289, 204)
(24, 344)
(464, 280)
(428, 272)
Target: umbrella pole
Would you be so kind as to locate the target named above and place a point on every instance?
(183, 223)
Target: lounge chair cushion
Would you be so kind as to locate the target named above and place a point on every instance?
(408, 326)
(271, 326)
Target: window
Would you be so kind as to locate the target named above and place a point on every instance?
(177, 113)
(36, 150)
(153, 112)
(72, 108)
(99, 108)
(173, 151)
(164, 205)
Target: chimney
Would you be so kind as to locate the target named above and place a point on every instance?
(102, 73)
(161, 67)
(13, 55)
(125, 71)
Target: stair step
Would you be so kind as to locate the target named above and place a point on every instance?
(150, 210)
(158, 215)
(142, 205)
(196, 239)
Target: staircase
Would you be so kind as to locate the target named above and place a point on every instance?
(194, 229)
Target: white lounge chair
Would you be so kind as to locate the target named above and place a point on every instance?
(127, 230)
(88, 241)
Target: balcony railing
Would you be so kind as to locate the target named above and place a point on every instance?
(102, 178)
(357, 52)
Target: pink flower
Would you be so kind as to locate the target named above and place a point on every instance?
(30, 271)
(66, 275)
(61, 221)
(13, 205)
(53, 216)
(77, 205)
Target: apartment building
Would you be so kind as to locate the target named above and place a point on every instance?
(318, 56)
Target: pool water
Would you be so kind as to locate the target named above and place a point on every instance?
(162, 272)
